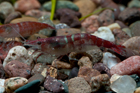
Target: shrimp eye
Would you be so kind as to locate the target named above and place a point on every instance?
(38, 42)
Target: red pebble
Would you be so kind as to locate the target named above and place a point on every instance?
(127, 67)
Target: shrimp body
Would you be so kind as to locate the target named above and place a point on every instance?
(22, 29)
(61, 45)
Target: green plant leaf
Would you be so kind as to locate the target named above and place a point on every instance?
(53, 9)
(95, 12)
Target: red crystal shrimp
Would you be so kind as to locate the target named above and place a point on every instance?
(61, 45)
(22, 29)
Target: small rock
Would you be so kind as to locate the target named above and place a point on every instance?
(134, 3)
(106, 17)
(69, 17)
(38, 68)
(61, 4)
(124, 84)
(36, 13)
(96, 55)
(114, 78)
(23, 19)
(87, 73)
(91, 24)
(2, 88)
(137, 90)
(78, 85)
(47, 32)
(85, 6)
(67, 31)
(61, 26)
(74, 72)
(25, 5)
(66, 90)
(52, 72)
(5, 9)
(127, 67)
(2, 72)
(128, 31)
(37, 77)
(102, 68)
(32, 86)
(14, 83)
(18, 53)
(85, 61)
(129, 15)
(17, 69)
(105, 33)
(114, 26)
(61, 76)
(100, 82)
(36, 36)
(53, 85)
(60, 64)
(120, 36)
(65, 71)
(134, 27)
(121, 24)
(110, 60)
(12, 16)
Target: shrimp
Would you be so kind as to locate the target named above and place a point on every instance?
(22, 29)
(80, 42)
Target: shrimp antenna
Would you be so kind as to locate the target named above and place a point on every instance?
(18, 33)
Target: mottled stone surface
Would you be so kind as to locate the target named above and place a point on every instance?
(87, 73)
(134, 27)
(53, 85)
(127, 67)
(99, 82)
(14, 83)
(78, 85)
(85, 61)
(17, 69)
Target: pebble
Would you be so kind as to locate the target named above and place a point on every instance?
(129, 15)
(18, 53)
(61, 26)
(134, 27)
(12, 16)
(110, 59)
(121, 24)
(85, 6)
(47, 32)
(114, 78)
(67, 31)
(23, 19)
(91, 24)
(2, 72)
(105, 33)
(134, 3)
(102, 68)
(128, 31)
(100, 81)
(114, 26)
(17, 69)
(14, 83)
(5, 9)
(85, 61)
(137, 90)
(127, 67)
(120, 36)
(53, 85)
(106, 17)
(2, 88)
(60, 64)
(69, 17)
(32, 86)
(87, 73)
(61, 4)
(124, 84)
(74, 72)
(78, 85)
(25, 5)
(36, 13)
(133, 43)
(61, 76)
(37, 77)
(52, 72)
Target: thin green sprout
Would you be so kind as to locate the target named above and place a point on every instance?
(53, 9)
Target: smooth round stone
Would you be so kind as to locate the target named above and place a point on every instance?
(74, 72)
(2, 88)
(61, 4)
(14, 83)
(30, 87)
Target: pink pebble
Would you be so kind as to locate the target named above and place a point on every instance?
(127, 67)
